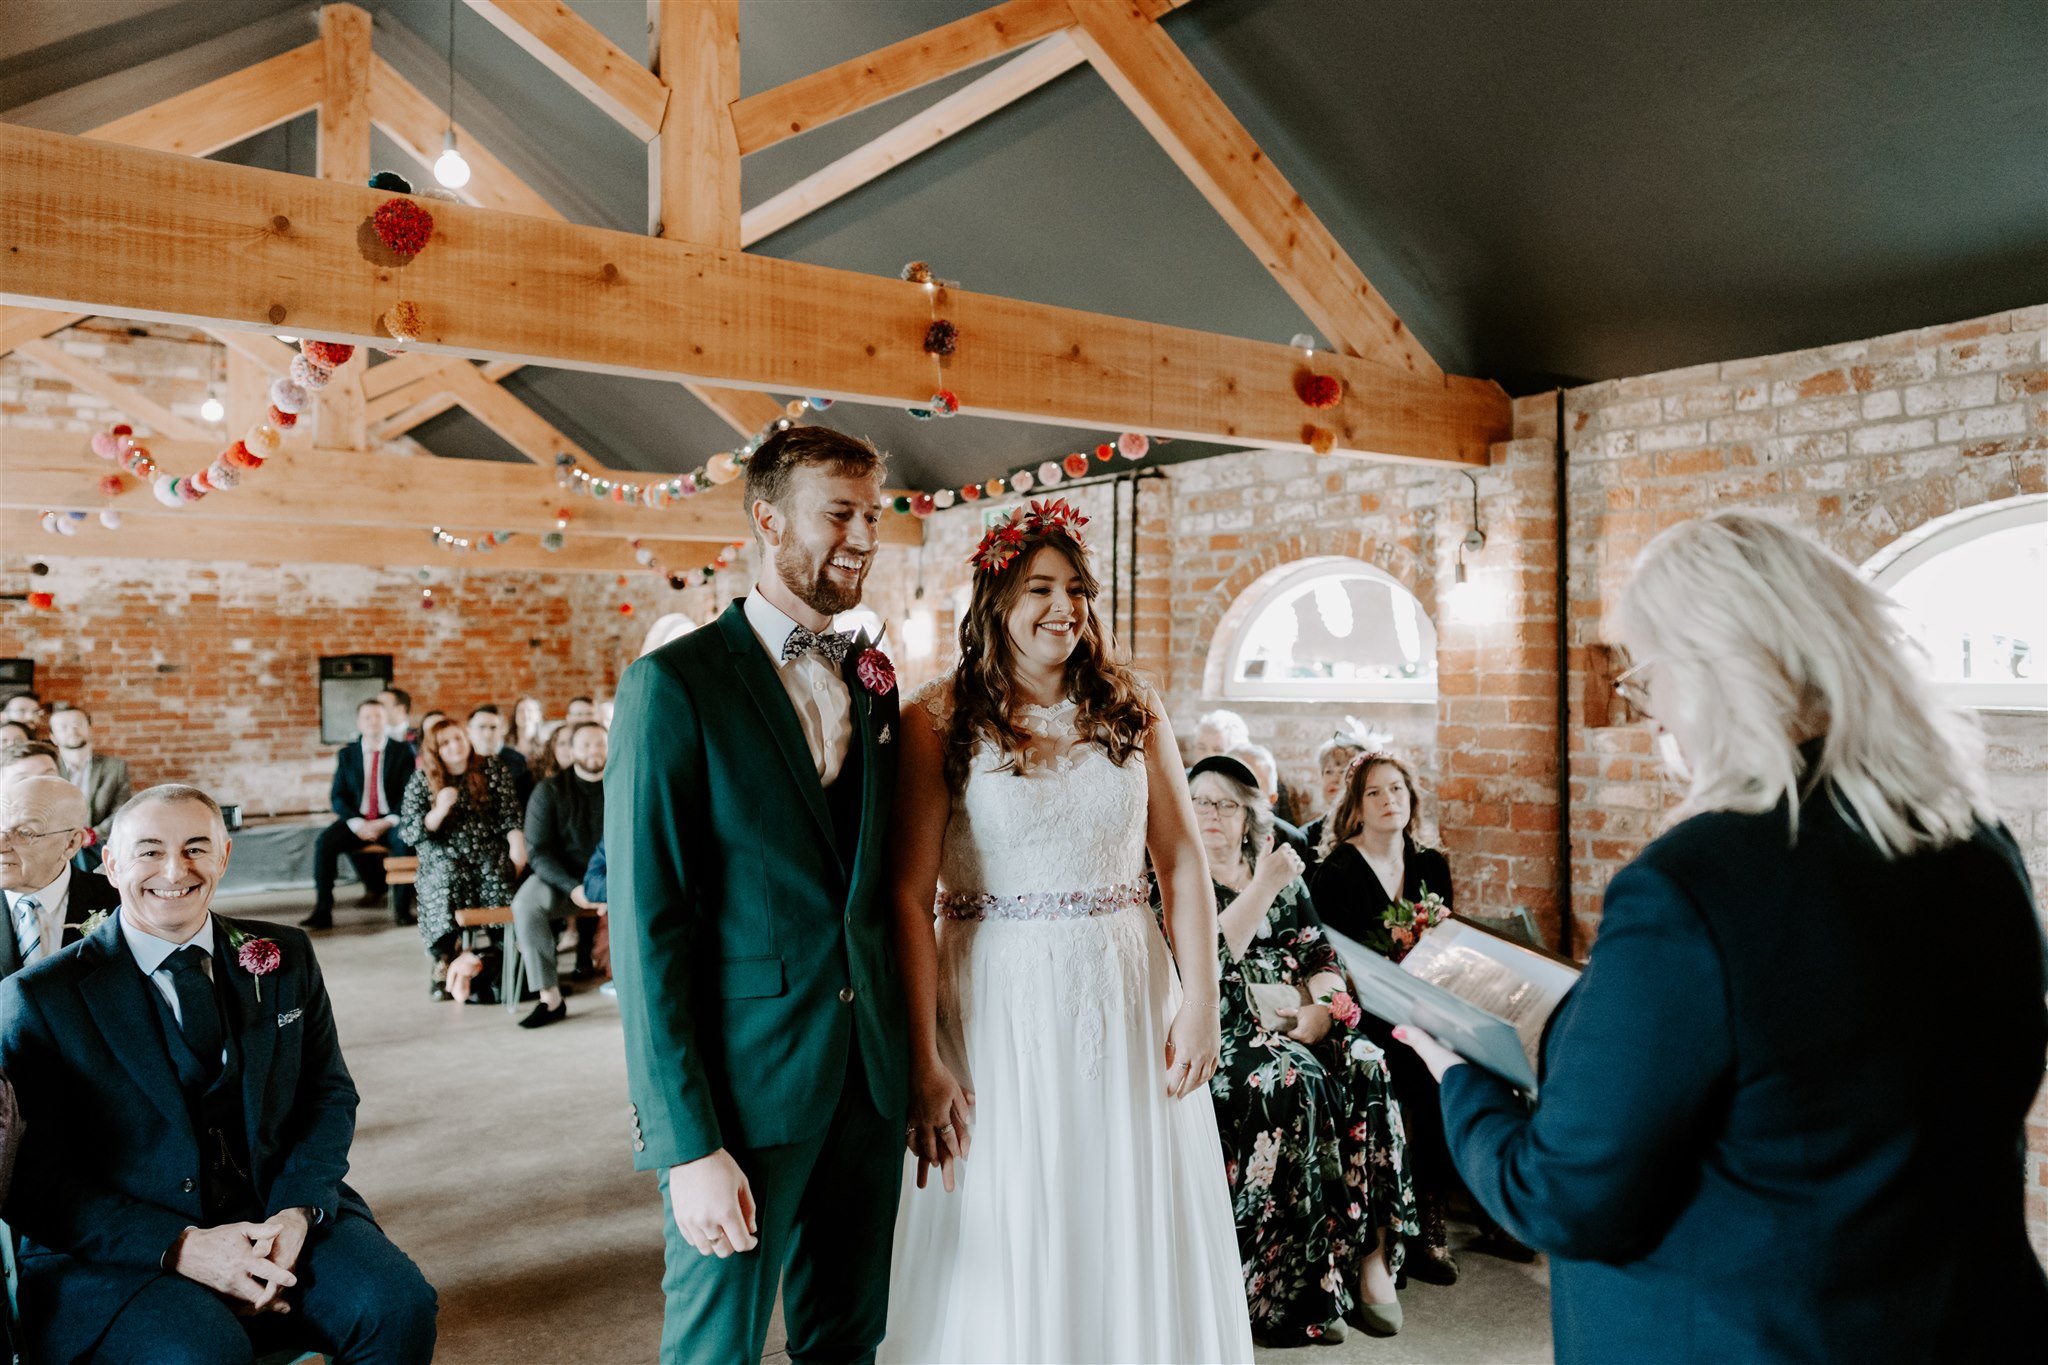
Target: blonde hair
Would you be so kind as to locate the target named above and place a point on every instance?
(1765, 640)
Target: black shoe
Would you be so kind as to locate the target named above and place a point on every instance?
(1500, 1242)
(583, 972)
(404, 919)
(319, 919)
(372, 900)
(1431, 1265)
(542, 1016)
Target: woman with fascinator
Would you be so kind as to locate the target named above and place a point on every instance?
(1061, 1048)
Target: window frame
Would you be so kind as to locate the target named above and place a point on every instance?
(1253, 603)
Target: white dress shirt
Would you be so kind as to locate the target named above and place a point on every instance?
(51, 902)
(151, 952)
(824, 707)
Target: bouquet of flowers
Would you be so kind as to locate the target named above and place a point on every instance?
(1407, 920)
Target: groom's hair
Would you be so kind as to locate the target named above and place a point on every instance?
(772, 471)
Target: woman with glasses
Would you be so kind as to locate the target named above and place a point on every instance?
(1782, 1113)
(1311, 1133)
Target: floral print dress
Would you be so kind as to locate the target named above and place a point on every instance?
(1312, 1137)
(466, 862)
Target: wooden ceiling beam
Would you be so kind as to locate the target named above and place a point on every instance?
(693, 167)
(525, 430)
(764, 119)
(746, 411)
(405, 115)
(223, 112)
(140, 234)
(267, 351)
(567, 44)
(344, 157)
(191, 535)
(131, 401)
(18, 325)
(1005, 85)
(1154, 78)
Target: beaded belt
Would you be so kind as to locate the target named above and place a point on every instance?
(1041, 905)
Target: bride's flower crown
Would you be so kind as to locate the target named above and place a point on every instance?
(1005, 540)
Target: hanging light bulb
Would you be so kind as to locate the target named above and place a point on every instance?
(211, 410)
(451, 170)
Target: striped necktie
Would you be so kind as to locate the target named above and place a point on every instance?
(28, 928)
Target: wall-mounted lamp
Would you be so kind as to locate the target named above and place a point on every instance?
(1475, 539)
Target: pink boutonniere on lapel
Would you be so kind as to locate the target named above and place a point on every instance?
(259, 957)
(875, 672)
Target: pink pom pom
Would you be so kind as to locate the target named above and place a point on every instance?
(308, 375)
(105, 445)
(286, 396)
(111, 519)
(1132, 445)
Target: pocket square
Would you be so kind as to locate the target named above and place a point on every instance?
(885, 736)
(289, 1017)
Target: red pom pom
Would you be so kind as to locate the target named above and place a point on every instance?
(113, 485)
(1319, 390)
(330, 355)
(403, 226)
(43, 601)
(242, 457)
(1104, 451)
(282, 420)
(625, 608)
(970, 491)
(1076, 465)
(123, 429)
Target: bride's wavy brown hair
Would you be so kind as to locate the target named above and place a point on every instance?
(1110, 699)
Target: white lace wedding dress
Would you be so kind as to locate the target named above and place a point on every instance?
(1092, 1221)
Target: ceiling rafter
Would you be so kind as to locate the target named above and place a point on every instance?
(693, 167)
(231, 109)
(504, 286)
(567, 44)
(131, 401)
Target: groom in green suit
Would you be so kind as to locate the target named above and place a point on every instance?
(746, 809)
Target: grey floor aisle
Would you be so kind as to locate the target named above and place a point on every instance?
(498, 1159)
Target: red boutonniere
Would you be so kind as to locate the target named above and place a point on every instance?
(875, 672)
(259, 957)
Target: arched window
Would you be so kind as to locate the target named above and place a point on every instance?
(1325, 629)
(1972, 590)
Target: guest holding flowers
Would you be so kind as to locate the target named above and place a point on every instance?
(1372, 865)
(1311, 1133)
(461, 813)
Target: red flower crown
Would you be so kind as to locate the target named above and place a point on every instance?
(1005, 540)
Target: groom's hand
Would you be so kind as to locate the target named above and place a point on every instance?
(941, 1115)
(713, 1205)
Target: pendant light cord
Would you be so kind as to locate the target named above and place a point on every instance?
(451, 66)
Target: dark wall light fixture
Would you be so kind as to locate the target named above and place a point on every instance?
(1475, 538)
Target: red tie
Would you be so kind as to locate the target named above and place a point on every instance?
(376, 809)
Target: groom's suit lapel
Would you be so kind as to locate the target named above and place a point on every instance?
(765, 688)
(862, 707)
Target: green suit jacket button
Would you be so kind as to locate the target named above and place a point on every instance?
(846, 995)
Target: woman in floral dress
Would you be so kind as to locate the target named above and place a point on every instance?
(462, 814)
(1311, 1131)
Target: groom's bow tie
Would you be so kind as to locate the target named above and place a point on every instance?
(833, 644)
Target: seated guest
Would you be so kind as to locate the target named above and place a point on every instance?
(1370, 860)
(597, 894)
(462, 817)
(1311, 1132)
(1260, 760)
(562, 746)
(102, 777)
(369, 784)
(564, 822)
(36, 758)
(582, 711)
(487, 738)
(26, 709)
(528, 721)
(397, 704)
(14, 732)
(1783, 1112)
(1217, 732)
(1333, 761)
(187, 1119)
(42, 824)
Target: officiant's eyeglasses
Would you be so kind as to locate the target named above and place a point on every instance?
(24, 836)
(1634, 690)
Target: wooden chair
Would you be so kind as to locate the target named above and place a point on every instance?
(511, 972)
(401, 871)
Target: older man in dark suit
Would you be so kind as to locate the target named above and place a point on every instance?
(187, 1123)
(368, 787)
(42, 826)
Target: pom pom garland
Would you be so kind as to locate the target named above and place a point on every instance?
(287, 396)
(1133, 445)
(263, 440)
(943, 499)
(1104, 451)
(971, 491)
(403, 226)
(42, 601)
(103, 445)
(308, 375)
(1022, 481)
(945, 403)
(113, 485)
(942, 338)
(283, 420)
(1050, 474)
(1319, 390)
(122, 429)
(917, 272)
(1076, 465)
(110, 519)
(922, 505)
(331, 355)
(166, 490)
(1320, 439)
(405, 320)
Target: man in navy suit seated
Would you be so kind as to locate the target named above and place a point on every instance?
(368, 788)
(187, 1124)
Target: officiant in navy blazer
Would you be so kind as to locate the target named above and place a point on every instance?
(188, 1118)
(365, 813)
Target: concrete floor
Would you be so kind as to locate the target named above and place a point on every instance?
(499, 1160)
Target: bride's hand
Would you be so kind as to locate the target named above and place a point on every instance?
(941, 1113)
(1194, 1045)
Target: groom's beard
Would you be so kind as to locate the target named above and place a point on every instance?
(802, 571)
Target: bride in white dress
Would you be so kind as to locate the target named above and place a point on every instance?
(1060, 1070)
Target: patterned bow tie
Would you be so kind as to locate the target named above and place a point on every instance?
(833, 644)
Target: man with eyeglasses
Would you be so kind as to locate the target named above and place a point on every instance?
(42, 824)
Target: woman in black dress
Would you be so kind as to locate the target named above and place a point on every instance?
(462, 814)
(1368, 847)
